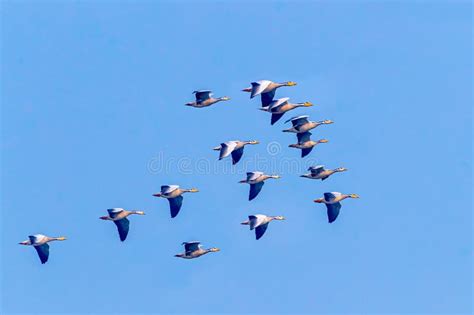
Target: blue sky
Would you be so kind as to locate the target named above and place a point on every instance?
(93, 100)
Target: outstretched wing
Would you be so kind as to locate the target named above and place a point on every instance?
(43, 252)
(175, 205)
(316, 170)
(114, 212)
(260, 230)
(258, 87)
(305, 152)
(226, 149)
(267, 98)
(255, 220)
(166, 189)
(237, 155)
(276, 117)
(330, 196)
(298, 120)
(123, 226)
(190, 247)
(202, 95)
(253, 175)
(303, 137)
(333, 211)
(276, 104)
(255, 190)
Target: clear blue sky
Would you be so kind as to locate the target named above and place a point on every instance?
(93, 94)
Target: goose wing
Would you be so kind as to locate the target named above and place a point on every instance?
(333, 211)
(237, 155)
(267, 98)
(306, 151)
(303, 137)
(256, 220)
(175, 205)
(276, 104)
(331, 196)
(202, 95)
(298, 120)
(253, 175)
(260, 230)
(226, 149)
(114, 212)
(190, 247)
(316, 170)
(258, 87)
(43, 252)
(35, 239)
(166, 189)
(276, 117)
(123, 226)
(255, 190)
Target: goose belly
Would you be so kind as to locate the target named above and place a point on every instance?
(304, 128)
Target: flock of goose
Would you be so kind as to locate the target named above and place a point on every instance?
(301, 125)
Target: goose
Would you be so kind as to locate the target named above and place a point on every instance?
(259, 222)
(173, 194)
(204, 98)
(40, 243)
(266, 89)
(194, 250)
(305, 143)
(119, 217)
(256, 181)
(302, 124)
(319, 172)
(235, 147)
(333, 203)
(280, 106)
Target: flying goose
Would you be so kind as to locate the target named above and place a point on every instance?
(302, 124)
(194, 250)
(40, 243)
(259, 222)
(332, 201)
(319, 172)
(173, 194)
(119, 217)
(305, 143)
(204, 98)
(280, 106)
(235, 147)
(256, 181)
(266, 89)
